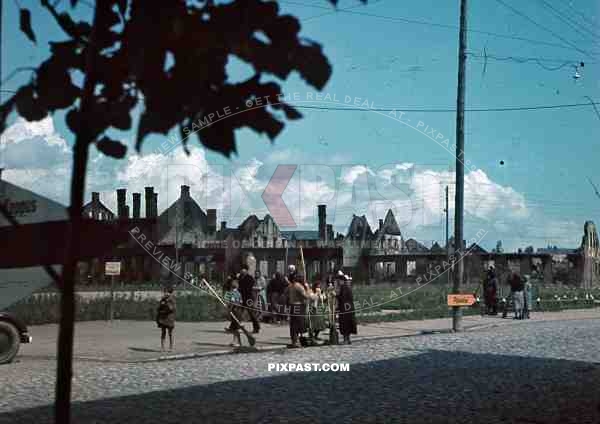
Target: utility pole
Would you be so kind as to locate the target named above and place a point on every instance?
(460, 170)
(447, 245)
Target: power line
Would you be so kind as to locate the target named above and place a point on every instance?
(567, 21)
(538, 61)
(524, 16)
(448, 110)
(585, 19)
(438, 25)
(594, 106)
(335, 10)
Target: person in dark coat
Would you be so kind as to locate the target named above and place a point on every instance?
(491, 290)
(249, 297)
(347, 317)
(228, 286)
(275, 291)
(165, 317)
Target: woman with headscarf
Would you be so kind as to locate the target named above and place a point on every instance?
(347, 316)
(517, 286)
(317, 311)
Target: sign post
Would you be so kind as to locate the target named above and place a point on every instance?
(113, 269)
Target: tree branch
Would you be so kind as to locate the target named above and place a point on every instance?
(59, 21)
(16, 71)
(81, 150)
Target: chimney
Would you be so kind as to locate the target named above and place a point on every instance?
(223, 225)
(211, 221)
(381, 225)
(329, 232)
(127, 211)
(137, 200)
(121, 199)
(185, 191)
(154, 205)
(95, 197)
(323, 222)
(148, 198)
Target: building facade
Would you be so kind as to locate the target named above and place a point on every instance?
(186, 239)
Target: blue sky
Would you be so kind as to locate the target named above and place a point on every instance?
(540, 195)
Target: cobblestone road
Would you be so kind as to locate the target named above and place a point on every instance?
(534, 372)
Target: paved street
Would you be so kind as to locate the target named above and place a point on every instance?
(137, 341)
(545, 371)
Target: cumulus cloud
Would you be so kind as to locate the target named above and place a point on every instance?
(38, 158)
(35, 156)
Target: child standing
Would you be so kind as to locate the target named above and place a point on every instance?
(233, 298)
(165, 318)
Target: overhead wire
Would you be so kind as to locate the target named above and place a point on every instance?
(575, 27)
(448, 110)
(532, 21)
(536, 60)
(586, 21)
(438, 25)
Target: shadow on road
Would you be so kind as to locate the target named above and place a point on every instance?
(428, 387)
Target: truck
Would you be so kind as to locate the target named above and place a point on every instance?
(13, 332)
(32, 243)
(17, 282)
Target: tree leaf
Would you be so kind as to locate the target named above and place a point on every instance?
(291, 112)
(219, 138)
(54, 85)
(313, 65)
(111, 148)
(25, 24)
(28, 106)
(154, 122)
(66, 53)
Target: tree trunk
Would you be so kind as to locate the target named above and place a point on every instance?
(64, 371)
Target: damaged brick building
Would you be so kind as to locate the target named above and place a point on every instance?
(186, 239)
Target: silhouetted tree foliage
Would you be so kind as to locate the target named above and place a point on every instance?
(173, 55)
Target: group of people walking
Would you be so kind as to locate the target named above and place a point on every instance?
(308, 308)
(521, 294)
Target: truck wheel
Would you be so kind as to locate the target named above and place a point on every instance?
(9, 342)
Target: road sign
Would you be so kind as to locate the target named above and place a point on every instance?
(112, 268)
(461, 299)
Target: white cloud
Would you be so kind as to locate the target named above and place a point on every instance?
(36, 157)
(351, 173)
(26, 145)
(39, 159)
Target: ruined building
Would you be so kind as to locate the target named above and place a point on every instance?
(185, 238)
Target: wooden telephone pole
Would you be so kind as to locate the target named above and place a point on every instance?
(447, 210)
(460, 157)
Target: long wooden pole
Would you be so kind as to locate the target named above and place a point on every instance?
(460, 157)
